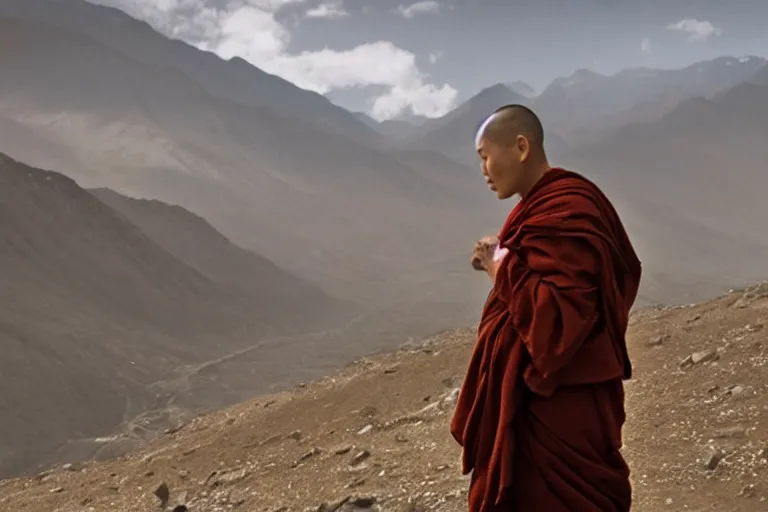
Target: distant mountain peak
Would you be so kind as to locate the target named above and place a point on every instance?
(521, 88)
(579, 78)
(497, 91)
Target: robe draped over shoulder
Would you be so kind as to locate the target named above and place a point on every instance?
(540, 412)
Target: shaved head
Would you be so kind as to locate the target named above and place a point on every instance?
(510, 143)
(507, 123)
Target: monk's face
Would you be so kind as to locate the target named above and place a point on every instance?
(504, 165)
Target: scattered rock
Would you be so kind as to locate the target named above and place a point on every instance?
(342, 449)
(57, 490)
(333, 507)
(658, 340)
(163, 493)
(360, 457)
(357, 482)
(365, 430)
(714, 459)
(752, 294)
(227, 477)
(452, 382)
(731, 433)
(311, 453)
(704, 356)
(172, 430)
(430, 408)
(748, 491)
(42, 477)
(363, 501)
(739, 392)
(295, 435)
(275, 438)
(451, 398)
(368, 412)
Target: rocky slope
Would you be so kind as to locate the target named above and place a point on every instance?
(375, 436)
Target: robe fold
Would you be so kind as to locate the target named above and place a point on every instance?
(540, 412)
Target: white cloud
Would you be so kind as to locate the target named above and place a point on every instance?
(328, 10)
(423, 7)
(425, 100)
(645, 46)
(249, 29)
(696, 30)
(434, 57)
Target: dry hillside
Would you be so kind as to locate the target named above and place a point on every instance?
(94, 311)
(375, 436)
(192, 240)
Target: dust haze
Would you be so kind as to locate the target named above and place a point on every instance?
(181, 233)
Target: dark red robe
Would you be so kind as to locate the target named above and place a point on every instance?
(540, 413)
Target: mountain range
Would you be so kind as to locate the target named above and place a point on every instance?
(95, 309)
(211, 230)
(228, 162)
(585, 107)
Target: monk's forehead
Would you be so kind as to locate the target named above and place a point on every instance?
(482, 128)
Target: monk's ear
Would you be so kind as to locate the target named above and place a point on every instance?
(523, 147)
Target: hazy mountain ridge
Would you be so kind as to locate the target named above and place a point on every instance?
(680, 164)
(586, 106)
(94, 311)
(221, 159)
(235, 79)
(522, 88)
(192, 240)
(688, 158)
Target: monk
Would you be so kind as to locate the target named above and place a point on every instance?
(540, 414)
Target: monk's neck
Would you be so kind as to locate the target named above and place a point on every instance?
(536, 174)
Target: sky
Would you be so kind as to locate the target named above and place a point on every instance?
(390, 58)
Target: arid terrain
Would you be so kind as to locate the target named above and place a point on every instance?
(192, 216)
(375, 435)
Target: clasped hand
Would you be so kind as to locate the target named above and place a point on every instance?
(487, 256)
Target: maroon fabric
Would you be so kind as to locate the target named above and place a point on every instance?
(540, 413)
